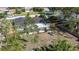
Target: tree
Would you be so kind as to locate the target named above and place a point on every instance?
(72, 25)
(67, 11)
(29, 25)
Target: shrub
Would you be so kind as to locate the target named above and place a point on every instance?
(60, 45)
(13, 43)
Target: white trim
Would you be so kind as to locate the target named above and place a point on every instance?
(14, 17)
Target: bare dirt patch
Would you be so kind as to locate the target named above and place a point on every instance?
(45, 39)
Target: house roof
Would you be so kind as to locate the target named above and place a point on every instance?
(39, 20)
(41, 23)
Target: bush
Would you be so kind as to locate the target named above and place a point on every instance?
(60, 45)
(13, 43)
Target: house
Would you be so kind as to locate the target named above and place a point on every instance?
(18, 21)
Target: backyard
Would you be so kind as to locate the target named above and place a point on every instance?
(36, 29)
